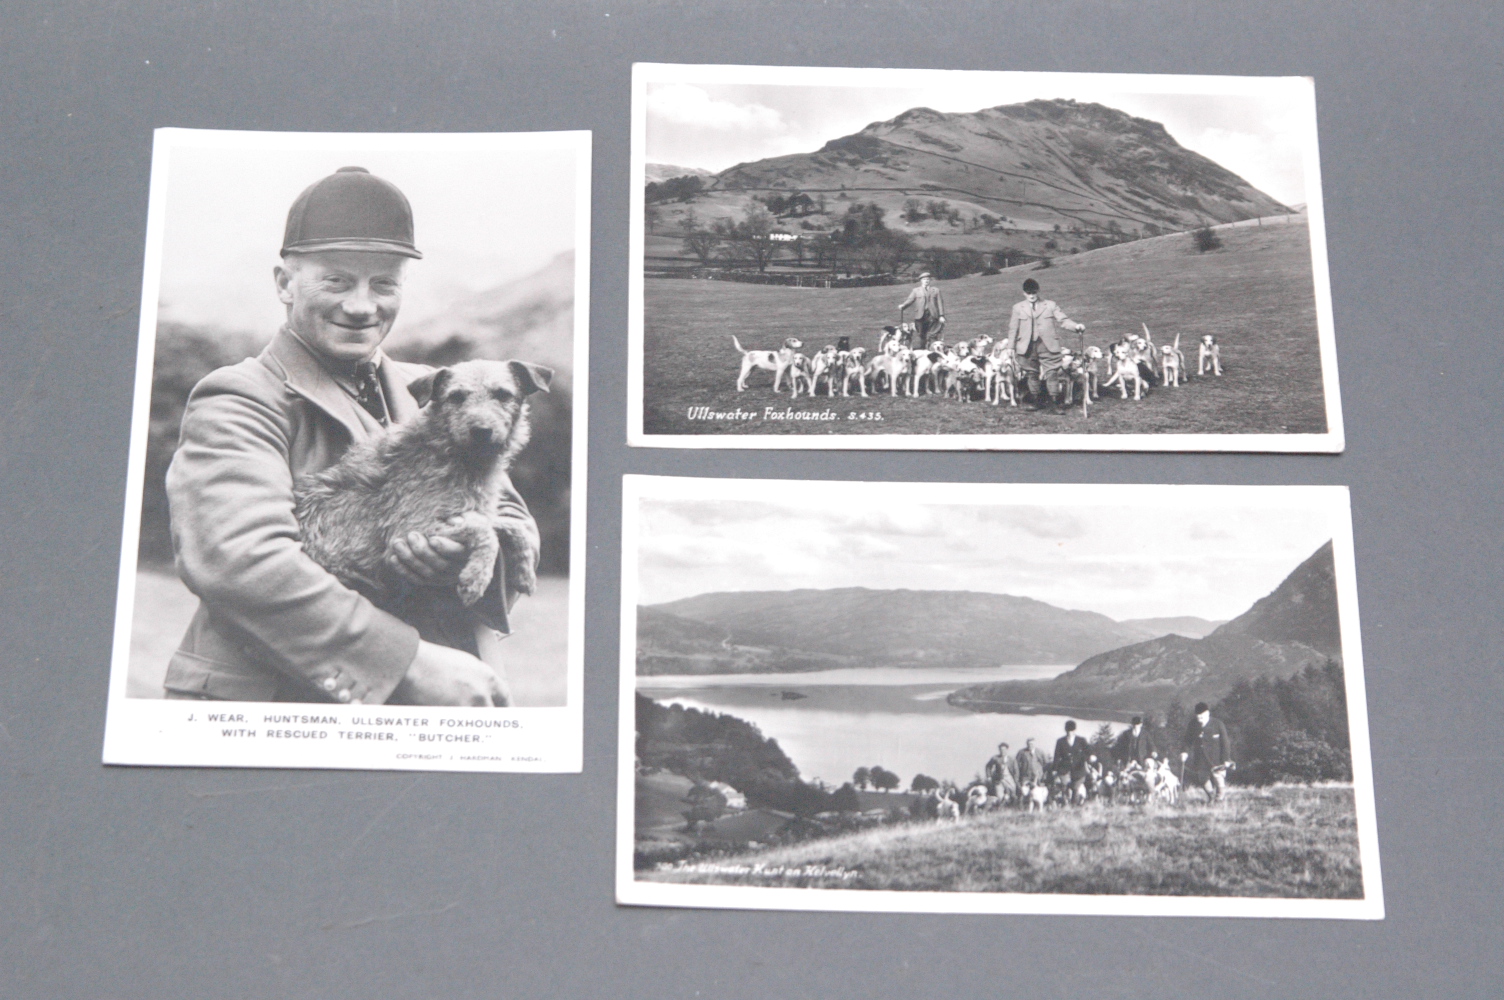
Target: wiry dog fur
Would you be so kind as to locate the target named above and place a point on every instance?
(439, 473)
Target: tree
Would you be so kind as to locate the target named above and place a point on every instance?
(913, 210)
(652, 215)
(754, 232)
(923, 783)
(1103, 738)
(884, 780)
(844, 799)
(862, 777)
(1206, 239)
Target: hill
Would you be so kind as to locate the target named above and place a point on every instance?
(1182, 625)
(655, 173)
(854, 626)
(531, 318)
(1039, 165)
(1286, 841)
(1294, 627)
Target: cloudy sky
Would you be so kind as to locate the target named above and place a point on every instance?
(481, 219)
(715, 126)
(1122, 561)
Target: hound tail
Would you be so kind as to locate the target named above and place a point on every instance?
(1147, 335)
(737, 344)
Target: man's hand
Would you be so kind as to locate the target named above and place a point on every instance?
(443, 676)
(427, 560)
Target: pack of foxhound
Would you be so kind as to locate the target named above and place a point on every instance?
(979, 370)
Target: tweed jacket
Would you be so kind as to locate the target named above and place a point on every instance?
(926, 302)
(1031, 765)
(273, 625)
(1037, 321)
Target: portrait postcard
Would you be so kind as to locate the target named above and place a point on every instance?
(991, 698)
(355, 511)
(946, 259)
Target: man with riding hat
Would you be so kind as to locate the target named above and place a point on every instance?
(930, 311)
(273, 625)
(1071, 752)
(1208, 754)
(1034, 330)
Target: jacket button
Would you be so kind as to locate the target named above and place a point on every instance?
(344, 695)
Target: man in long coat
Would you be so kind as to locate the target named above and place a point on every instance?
(273, 625)
(1208, 753)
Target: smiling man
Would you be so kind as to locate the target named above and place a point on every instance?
(273, 625)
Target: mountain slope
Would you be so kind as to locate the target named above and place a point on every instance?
(1039, 163)
(1295, 626)
(1188, 625)
(860, 627)
(654, 173)
(531, 319)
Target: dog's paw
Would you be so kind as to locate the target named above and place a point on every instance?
(475, 577)
(521, 558)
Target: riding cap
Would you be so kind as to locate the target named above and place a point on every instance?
(925, 274)
(1138, 720)
(1202, 706)
(1030, 286)
(351, 209)
(1070, 725)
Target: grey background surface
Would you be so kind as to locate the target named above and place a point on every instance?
(136, 882)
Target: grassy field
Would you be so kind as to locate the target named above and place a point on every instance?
(1256, 295)
(1284, 841)
(535, 652)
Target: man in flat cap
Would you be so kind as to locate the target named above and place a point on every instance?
(1207, 756)
(929, 307)
(273, 625)
(1001, 773)
(1034, 330)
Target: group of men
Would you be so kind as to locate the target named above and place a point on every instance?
(1205, 759)
(1034, 331)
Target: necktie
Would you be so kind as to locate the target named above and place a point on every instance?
(368, 391)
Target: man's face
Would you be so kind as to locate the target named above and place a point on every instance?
(342, 302)
(1032, 296)
(1202, 717)
(1136, 727)
(924, 282)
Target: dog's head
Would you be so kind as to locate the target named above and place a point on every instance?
(1208, 340)
(793, 344)
(480, 407)
(1167, 351)
(1094, 353)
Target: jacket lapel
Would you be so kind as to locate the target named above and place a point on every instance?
(303, 374)
(395, 376)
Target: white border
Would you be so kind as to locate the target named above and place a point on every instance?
(1329, 501)
(645, 73)
(147, 731)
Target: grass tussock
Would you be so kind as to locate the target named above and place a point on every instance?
(1285, 841)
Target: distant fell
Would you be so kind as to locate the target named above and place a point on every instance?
(1041, 163)
(854, 626)
(1292, 628)
(1187, 625)
(656, 173)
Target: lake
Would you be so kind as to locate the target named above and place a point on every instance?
(896, 717)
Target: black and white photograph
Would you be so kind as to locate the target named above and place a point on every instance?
(942, 259)
(991, 698)
(354, 519)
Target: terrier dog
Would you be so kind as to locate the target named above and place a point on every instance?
(440, 474)
(1209, 351)
(776, 362)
